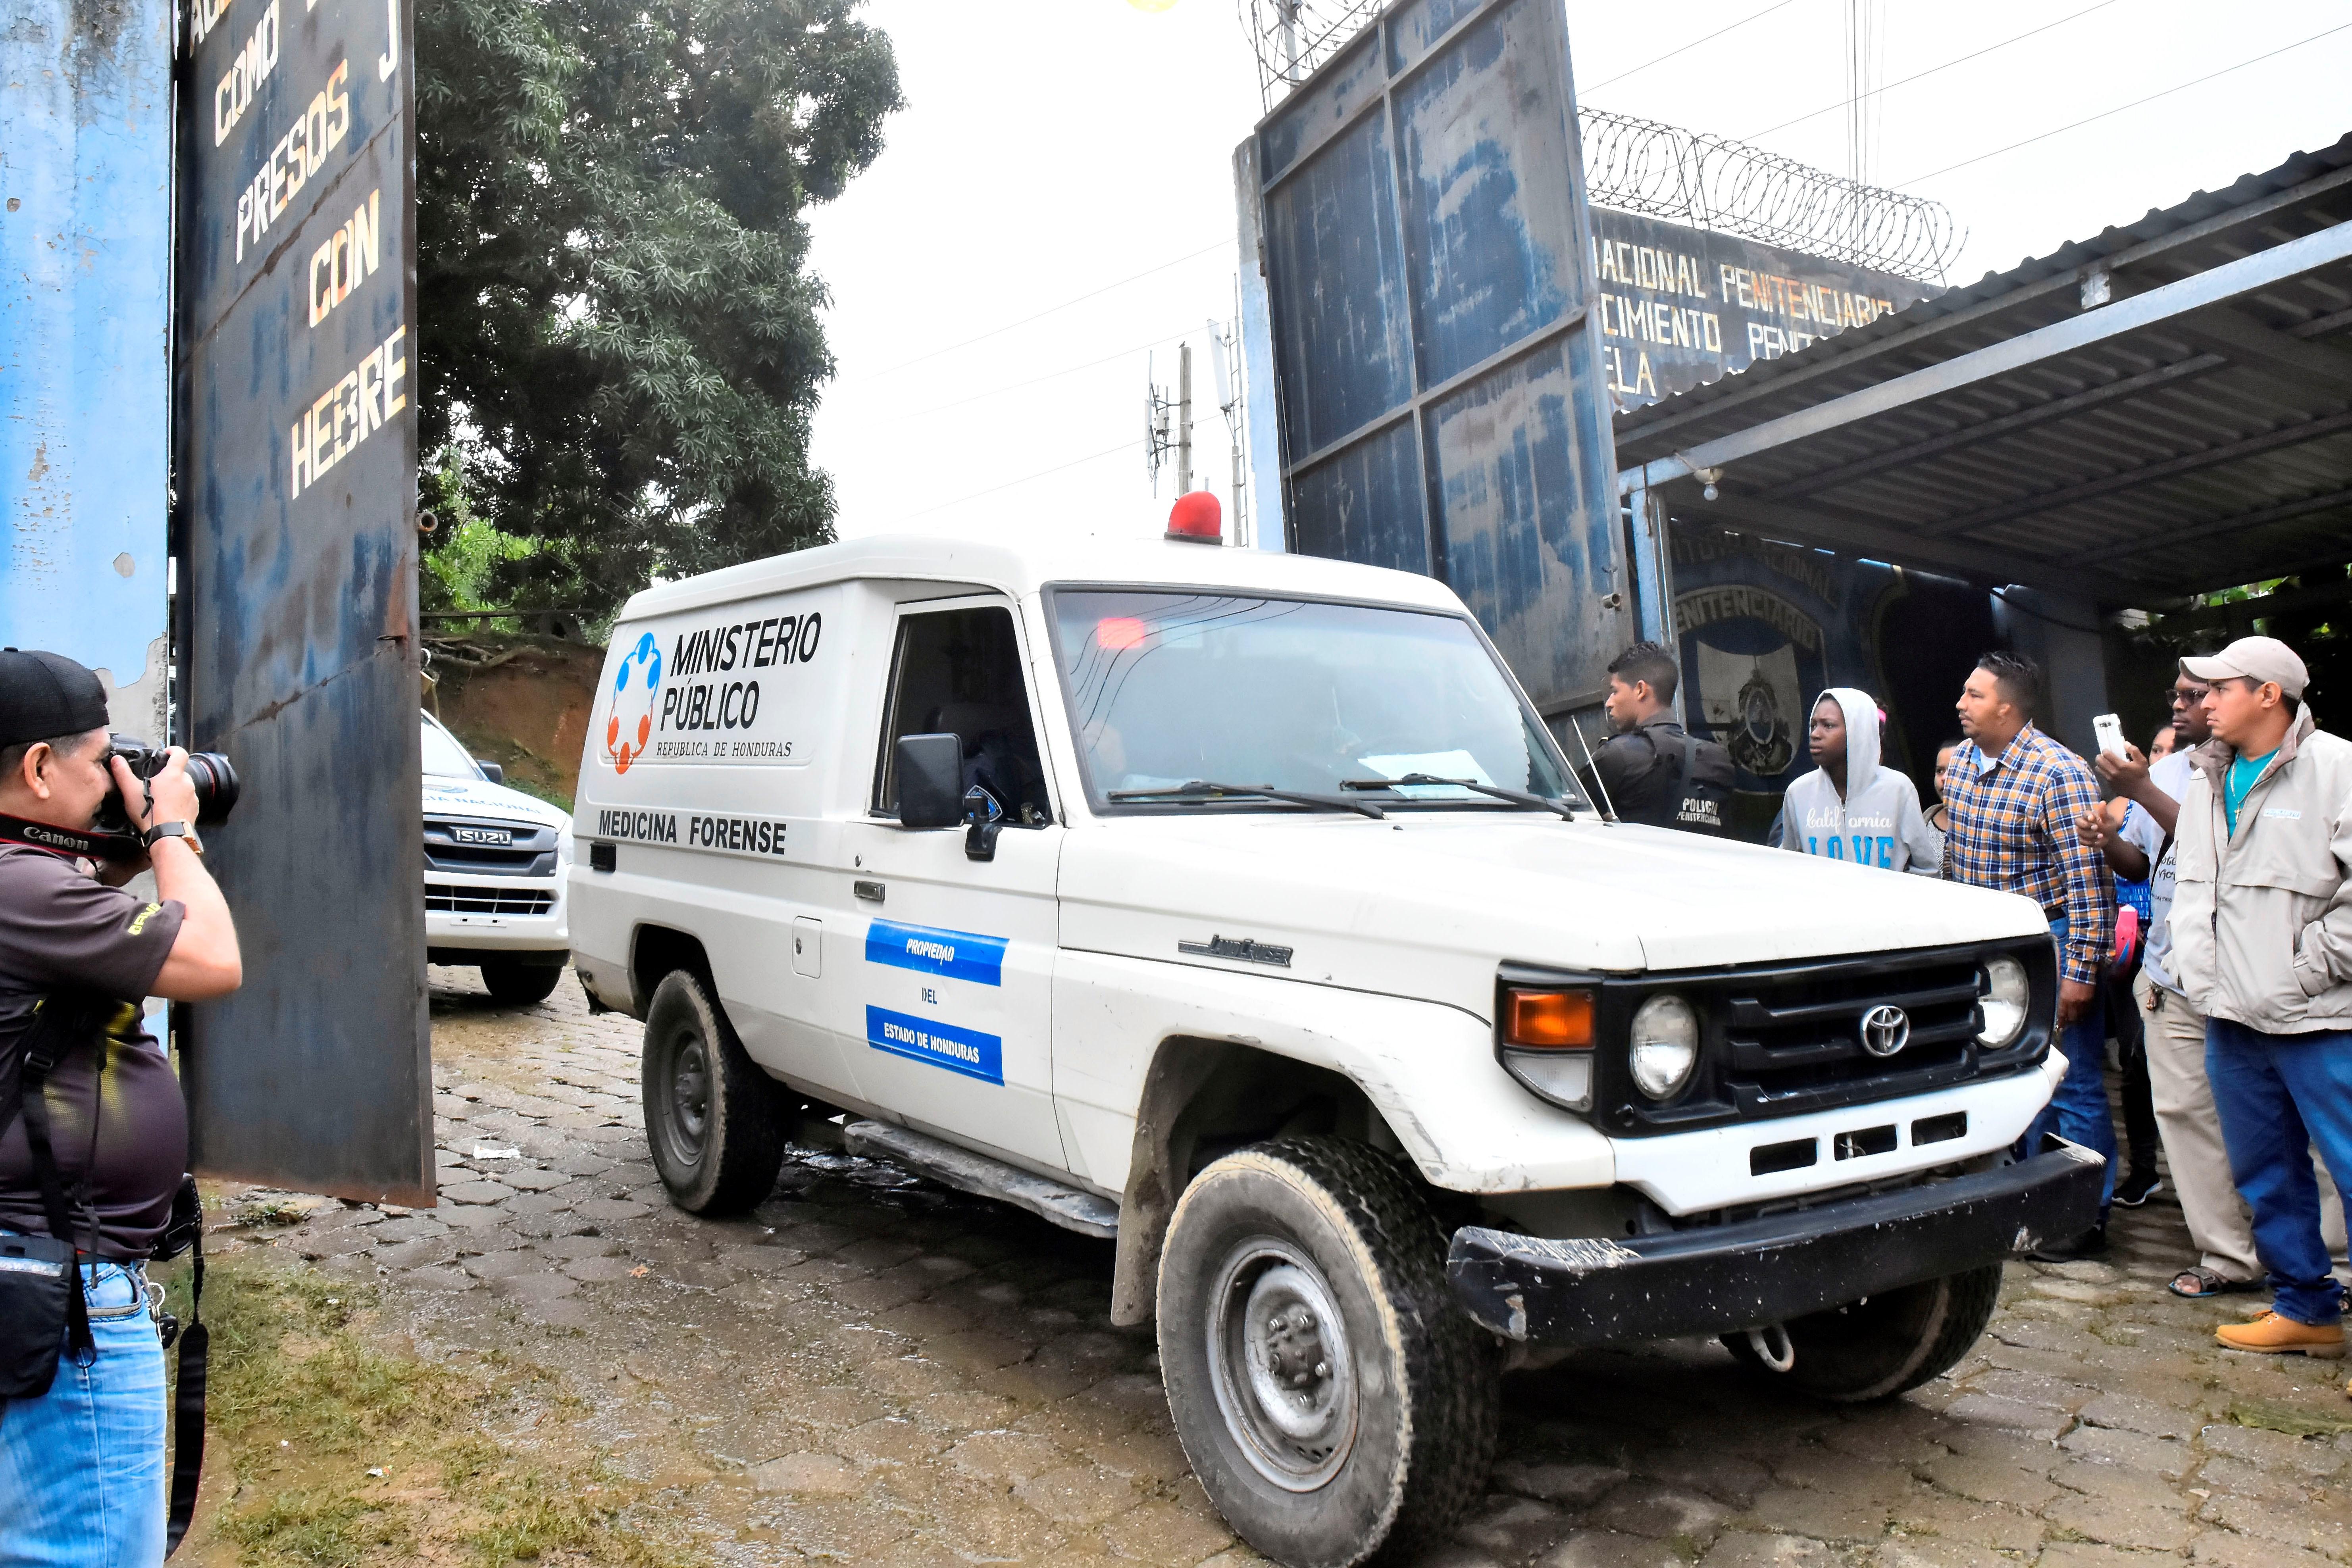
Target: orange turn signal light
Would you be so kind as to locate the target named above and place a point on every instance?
(1549, 1020)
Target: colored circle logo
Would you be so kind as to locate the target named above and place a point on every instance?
(629, 717)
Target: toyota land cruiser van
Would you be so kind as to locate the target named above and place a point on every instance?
(1239, 907)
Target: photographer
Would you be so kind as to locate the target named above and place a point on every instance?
(81, 1466)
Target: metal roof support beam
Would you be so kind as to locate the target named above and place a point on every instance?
(2004, 424)
(2057, 283)
(2208, 529)
(2147, 474)
(1833, 528)
(2197, 292)
(2241, 337)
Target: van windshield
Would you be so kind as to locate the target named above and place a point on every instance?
(1168, 689)
(444, 758)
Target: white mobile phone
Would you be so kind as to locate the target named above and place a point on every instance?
(2109, 729)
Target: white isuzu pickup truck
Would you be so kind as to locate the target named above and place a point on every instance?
(1239, 907)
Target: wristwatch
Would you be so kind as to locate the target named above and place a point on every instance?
(179, 830)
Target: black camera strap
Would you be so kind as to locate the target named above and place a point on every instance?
(58, 840)
(51, 1034)
(188, 1399)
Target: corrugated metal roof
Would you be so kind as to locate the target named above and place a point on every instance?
(2208, 448)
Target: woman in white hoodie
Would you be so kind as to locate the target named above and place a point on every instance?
(1849, 808)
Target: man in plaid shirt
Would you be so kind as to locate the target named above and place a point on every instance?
(2012, 795)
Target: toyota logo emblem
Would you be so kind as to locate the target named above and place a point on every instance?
(1886, 1029)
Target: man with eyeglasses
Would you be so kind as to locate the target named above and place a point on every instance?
(2185, 1115)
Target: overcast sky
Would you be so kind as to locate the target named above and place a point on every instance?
(1061, 151)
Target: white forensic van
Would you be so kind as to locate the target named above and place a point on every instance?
(1237, 906)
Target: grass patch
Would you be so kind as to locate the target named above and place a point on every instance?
(302, 1407)
(2296, 1420)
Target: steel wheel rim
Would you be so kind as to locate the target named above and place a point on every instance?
(1281, 1365)
(689, 1097)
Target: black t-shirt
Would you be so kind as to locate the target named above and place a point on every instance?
(1642, 770)
(60, 927)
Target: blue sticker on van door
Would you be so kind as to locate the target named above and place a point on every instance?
(967, 1051)
(932, 949)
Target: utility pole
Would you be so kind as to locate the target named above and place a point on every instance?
(1228, 398)
(1184, 419)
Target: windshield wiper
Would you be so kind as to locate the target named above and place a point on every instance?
(1516, 796)
(1201, 788)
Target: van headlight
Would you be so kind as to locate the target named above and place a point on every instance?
(2003, 1005)
(1663, 1046)
(563, 856)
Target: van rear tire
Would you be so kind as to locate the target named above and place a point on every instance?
(1336, 1404)
(714, 1121)
(520, 985)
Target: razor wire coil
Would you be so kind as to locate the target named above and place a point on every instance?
(1711, 182)
(1644, 166)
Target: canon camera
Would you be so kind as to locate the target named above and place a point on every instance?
(214, 779)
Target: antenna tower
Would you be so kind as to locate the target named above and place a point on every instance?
(1159, 438)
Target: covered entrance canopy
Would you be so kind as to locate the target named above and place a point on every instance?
(2158, 411)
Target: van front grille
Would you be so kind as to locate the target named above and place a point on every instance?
(447, 898)
(489, 848)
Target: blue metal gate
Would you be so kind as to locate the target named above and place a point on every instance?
(297, 499)
(1442, 404)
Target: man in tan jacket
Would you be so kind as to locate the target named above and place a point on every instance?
(2261, 941)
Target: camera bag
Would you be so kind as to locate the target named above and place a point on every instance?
(42, 1308)
(41, 1304)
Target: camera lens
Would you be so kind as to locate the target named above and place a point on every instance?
(216, 786)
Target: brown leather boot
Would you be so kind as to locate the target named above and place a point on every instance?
(2270, 1334)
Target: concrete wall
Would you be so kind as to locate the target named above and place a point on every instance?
(2063, 636)
(85, 380)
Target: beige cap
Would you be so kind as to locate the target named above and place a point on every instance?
(2254, 658)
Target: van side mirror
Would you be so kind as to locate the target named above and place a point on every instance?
(930, 781)
(491, 770)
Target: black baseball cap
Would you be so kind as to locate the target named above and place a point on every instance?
(46, 695)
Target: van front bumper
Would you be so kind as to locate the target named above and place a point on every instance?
(1713, 1279)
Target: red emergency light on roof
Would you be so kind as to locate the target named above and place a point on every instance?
(1197, 519)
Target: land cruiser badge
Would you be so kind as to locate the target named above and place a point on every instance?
(1238, 947)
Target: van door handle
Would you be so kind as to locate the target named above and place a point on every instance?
(868, 890)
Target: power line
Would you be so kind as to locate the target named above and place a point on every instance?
(2134, 103)
(1080, 299)
(1931, 71)
(1049, 375)
(1090, 457)
(1686, 49)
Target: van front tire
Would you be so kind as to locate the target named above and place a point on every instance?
(713, 1119)
(1336, 1405)
(1885, 1344)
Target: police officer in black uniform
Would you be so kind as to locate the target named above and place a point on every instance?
(1652, 769)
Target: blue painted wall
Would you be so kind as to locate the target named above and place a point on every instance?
(85, 247)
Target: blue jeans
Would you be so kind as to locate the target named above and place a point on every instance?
(2078, 1111)
(2278, 1095)
(81, 1467)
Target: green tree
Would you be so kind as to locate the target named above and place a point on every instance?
(617, 324)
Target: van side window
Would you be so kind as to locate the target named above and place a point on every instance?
(958, 672)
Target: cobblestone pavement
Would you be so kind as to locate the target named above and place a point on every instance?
(871, 1369)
